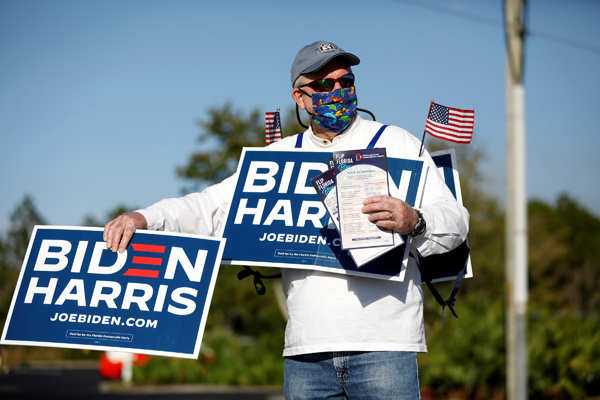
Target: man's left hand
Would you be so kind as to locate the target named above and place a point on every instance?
(390, 213)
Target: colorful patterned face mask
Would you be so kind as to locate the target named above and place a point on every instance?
(334, 110)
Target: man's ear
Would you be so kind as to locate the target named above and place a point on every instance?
(297, 96)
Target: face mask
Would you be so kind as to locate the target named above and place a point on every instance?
(334, 110)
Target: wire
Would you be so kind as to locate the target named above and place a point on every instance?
(495, 23)
(448, 11)
(567, 42)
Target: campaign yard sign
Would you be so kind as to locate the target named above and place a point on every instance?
(276, 218)
(153, 298)
(445, 161)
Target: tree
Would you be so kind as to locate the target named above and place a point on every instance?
(227, 131)
(13, 248)
(22, 220)
(91, 220)
(563, 257)
(486, 229)
(224, 133)
(467, 355)
(244, 330)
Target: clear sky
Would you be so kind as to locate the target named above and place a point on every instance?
(99, 99)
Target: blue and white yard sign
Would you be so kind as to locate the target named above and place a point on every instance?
(276, 218)
(445, 160)
(153, 298)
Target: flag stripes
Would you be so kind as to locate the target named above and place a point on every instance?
(272, 127)
(449, 123)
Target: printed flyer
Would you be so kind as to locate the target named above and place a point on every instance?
(360, 174)
(325, 186)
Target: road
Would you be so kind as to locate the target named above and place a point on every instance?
(84, 382)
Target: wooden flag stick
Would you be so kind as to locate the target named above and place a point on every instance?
(280, 123)
(423, 138)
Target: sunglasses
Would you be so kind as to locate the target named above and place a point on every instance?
(327, 84)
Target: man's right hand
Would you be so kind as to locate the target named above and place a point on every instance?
(118, 232)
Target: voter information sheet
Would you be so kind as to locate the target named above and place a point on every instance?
(360, 174)
(324, 184)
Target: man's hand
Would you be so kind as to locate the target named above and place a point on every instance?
(118, 232)
(390, 213)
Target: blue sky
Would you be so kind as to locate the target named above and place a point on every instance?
(99, 100)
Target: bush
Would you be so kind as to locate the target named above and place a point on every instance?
(225, 359)
(564, 356)
(466, 354)
(242, 343)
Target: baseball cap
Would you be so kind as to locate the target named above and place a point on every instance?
(314, 56)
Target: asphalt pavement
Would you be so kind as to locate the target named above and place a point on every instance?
(84, 382)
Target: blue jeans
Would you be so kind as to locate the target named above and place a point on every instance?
(371, 375)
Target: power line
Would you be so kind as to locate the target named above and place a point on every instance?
(453, 12)
(567, 42)
(442, 9)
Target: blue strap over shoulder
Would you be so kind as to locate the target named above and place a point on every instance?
(299, 140)
(457, 257)
(376, 137)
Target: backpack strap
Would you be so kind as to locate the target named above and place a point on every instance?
(299, 140)
(454, 259)
(376, 137)
(429, 264)
(258, 277)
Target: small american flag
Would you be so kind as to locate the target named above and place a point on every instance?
(450, 123)
(272, 127)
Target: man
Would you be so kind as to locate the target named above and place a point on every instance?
(346, 337)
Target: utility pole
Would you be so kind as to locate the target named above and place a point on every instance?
(516, 207)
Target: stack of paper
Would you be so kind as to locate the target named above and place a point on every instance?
(355, 175)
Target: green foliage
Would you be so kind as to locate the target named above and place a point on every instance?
(564, 256)
(13, 248)
(244, 332)
(467, 353)
(91, 220)
(241, 345)
(8, 280)
(12, 252)
(223, 134)
(22, 221)
(486, 228)
(226, 131)
(563, 355)
(237, 306)
(230, 361)
(564, 274)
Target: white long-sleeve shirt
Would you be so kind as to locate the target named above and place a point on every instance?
(333, 312)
